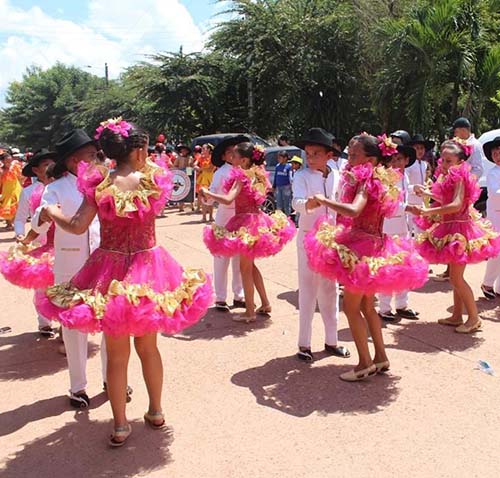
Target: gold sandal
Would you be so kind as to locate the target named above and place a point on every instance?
(464, 329)
(152, 418)
(244, 318)
(449, 322)
(119, 432)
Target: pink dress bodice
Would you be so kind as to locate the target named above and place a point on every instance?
(382, 196)
(444, 191)
(255, 185)
(127, 218)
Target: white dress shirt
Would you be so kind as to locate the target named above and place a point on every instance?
(476, 158)
(337, 164)
(224, 211)
(307, 183)
(398, 224)
(70, 250)
(493, 202)
(417, 175)
(23, 209)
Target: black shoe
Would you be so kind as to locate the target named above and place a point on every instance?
(339, 351)
(222, 306)
(388, 316)
(407, 313)
(305, 355)
(239, 304)
(489, 293)
(47, 331)
(79, 400)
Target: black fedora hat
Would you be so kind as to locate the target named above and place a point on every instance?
(487, 147)
(403, 135)
(419, 139)
(409, 152)
(35, 161)
(316, 136)
(70, 143)
(220, 149)
(182, 146)
(462, 123)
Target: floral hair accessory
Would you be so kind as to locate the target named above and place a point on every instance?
(117, 125)
(258, 154)
(467, 148)
(386, 145)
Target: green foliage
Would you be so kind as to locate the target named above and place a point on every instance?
(285, 65)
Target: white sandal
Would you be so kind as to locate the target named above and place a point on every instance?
(357, 375)
(120, 432)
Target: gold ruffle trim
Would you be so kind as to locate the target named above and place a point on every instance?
(389, 179)
(280, 221)
(65, 295)
(326, 236)
(20, 252)
(258, 179)
(125, 200)
(469, 245)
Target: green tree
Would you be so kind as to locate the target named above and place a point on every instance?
(40, 106)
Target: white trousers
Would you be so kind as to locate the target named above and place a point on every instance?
(221, 264)
(42, 321)
(221, 269)
(492, 274)
(76, 342)
(315, 289)
(414, 229)
(400, 299)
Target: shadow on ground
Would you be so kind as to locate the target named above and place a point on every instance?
(217, 325)
(27, 356)
(297, 389)
(425, 337)
(79, 449)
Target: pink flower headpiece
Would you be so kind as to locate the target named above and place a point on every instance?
(467, 148)
(258, 154)
(386, 145)
(117, 125)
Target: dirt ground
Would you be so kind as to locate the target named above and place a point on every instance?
(239, 404)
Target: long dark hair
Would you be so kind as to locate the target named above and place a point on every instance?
(118, 147)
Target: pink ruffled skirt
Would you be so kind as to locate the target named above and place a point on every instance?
(459, 242)
(365, 263)
(129, 294)
(31, 269)
(251, 234)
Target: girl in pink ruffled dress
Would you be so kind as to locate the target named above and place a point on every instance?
(129, 285)
(27, 266)
(356, 252)
(250, 233)
(457, 235)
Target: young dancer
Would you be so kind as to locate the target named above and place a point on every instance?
(71, 250)
(317, 178)
(129, 285)
(250, 233)
(397, 225)
(10, 187)
(491, 281)
(458, 236)
(222, 158)
(30, 263)
(358, 254)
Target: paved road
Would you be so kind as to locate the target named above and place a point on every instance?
(239, 404)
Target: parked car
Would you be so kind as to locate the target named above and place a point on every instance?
(215, 139)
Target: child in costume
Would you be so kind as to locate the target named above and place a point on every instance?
(129, 286)
(314, 290)
(10, 188)
(204, 175)
(397, 226)
(30, 262)
(458, 236)
(491, 281)
(358, 254)
(250, 233)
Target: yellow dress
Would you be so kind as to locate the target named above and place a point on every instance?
(11, 190)
(205, 174)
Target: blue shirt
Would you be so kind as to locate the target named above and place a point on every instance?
(282, 175)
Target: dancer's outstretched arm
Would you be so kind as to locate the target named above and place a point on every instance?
(77, 224)
(223, 198)
(451, 208)
(353, 209)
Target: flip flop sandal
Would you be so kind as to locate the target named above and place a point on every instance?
(119, 432)
(264, 311)
(151, 418)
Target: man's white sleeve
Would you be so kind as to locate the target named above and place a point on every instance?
(49, 197)
(22, 213)
(299, 194)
